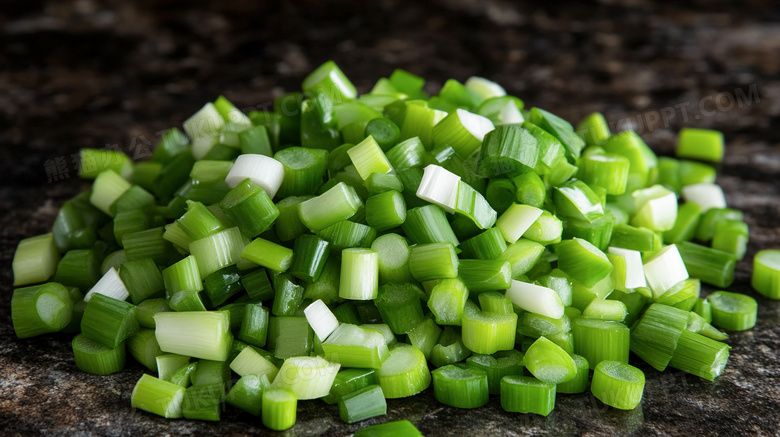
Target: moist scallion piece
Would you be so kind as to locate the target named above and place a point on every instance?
(107, 188)
(463, 131)
(487, 333)
(598, 232)
(221, 285)
(303, 170)
(142, 278)
(577, 200)
(516, 220)
(321, 319)
(368, 158)
(148, 308)
(605, 170)
(288, 295)
(404, 373)
(497, 366)
(338, 203)
(684, 229)
(449, 349)
(406, 154)
(600, 340)
(257, 285)
(473, 206)
(433, 261)
(440, 187)
(460, 386)
(610, 310)
(508, 149)
(500, 194)
(618, 384)
(349, 381)
(530, 189)
(522, 256)
(199, 334)
(682, 295)
(707, 195)
(583, 262)
(700, 356)
(279, 408)
(524, 394)
(664, 269)
(92, 357)
(186, 300)
(168, 364)
(733, 311)
(428, 224)
(307, 377)
(78, 268)
(447, 301)
(203, 402)
(694, 172)
(354, 346)
(654, 337)
(489, 244)
(710, 265)
(288, 225)
(709, 219)
(40, 309)
(268, 254)
(158, 397)
(580, 382)
(549, 362)
(35, 260)
(547, 229)
(109, 285)
(247, 393)
(766, 273)
(628, 272)
(362, 404)
(393, 262)
(424, 336)
(379, 183)
(108, 321)
(309, 256)
(656, 208)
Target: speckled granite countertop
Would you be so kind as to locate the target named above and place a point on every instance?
(81, 73)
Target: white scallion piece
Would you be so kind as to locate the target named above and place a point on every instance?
(110, 285)
(665, 269)
(536, 299)
(485, 88)
(205, 123)
(440, 187)
(321, 319)
(656, 208)
(262, 170)
(707, 196)
(635, 272)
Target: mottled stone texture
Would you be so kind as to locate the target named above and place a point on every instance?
(88, 73)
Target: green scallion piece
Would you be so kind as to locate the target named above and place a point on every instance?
(354, 346)
(254, 326)
(487, 333)
(433, 261)
(326, 287)
(447, 301)
(307, 377)
(508, 149)
(186, 300)
(338, 203)
(731, 236)
(359, 274)
(583, 261)
(654, 338)
(497, 366)
(580, 382)
(199, 334)
(362, 404)
(522, 256)
(428, 224)
(148, 308)
(460, 386)
(92, 357)
(250, 362)
(288, 225)
(684, 229)
(289, 336)
(398, 428)
(600, 340)
(400, 307)
(424, 336)
(693, 172)
(35, 260)
(158, 397)
(485, 275)
(40, 309)
(247, 393)
(108, 321)
(733, 311)
(618, 384)
(639, 239)
(489, 244)
(183, 275)
(309, 256)
(347, 234)
(258, 285)
(703, 144)
(711, 217)
(142, 278)
(288, 295)
(609, 310)
(406, 154)
(303, 170)
(523, 394)
(250, 208)
(500, 194)
(393, 262)
(449, 349)
(386, 210)
(766, 273)
(268, 254)
(279, 408)
(143, 347)
(710, 265)
(78, 268)
(700, 356)
(404, 373)
(549, 362)
(203, 402)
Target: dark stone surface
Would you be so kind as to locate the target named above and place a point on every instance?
(88, 73)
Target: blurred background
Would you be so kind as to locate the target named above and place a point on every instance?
(88, 73)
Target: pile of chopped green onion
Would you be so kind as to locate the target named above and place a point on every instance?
(342, 246)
